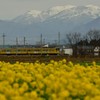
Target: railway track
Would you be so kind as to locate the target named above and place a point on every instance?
(45, 58)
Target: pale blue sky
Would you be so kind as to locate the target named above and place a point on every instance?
(11, 8)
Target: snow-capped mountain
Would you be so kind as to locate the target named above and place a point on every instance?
(40, 16)
(76, 14)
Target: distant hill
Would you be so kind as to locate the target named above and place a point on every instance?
(93, 25)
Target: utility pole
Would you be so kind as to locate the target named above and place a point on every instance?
(55, 41)
(16, 45)
(3, 36)
(41, 43)
(24, 41)
(41, 40)
(59, 39)
(16, 42)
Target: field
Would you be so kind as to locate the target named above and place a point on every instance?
(57, 79)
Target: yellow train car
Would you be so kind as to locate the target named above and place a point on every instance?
(45, 51)
(29, 51)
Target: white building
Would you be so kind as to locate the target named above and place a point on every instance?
(96, 51)
(68, 51)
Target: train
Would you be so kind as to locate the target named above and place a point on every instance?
(48, 51)
(30, 51)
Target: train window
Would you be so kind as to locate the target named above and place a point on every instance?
(18, 50)
(7, 50)
(23, 50)
(57, 48)
(3, 50)
(29, 50)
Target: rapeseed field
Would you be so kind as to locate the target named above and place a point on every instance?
(60, 80)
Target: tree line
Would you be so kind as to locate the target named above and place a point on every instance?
(84, 44)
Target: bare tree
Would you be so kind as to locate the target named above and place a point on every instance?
(84, 43)
(73, 39)
(93, 35)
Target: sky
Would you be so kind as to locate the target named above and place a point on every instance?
(10, 9)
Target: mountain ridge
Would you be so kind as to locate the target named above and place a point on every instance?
(63, 19)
